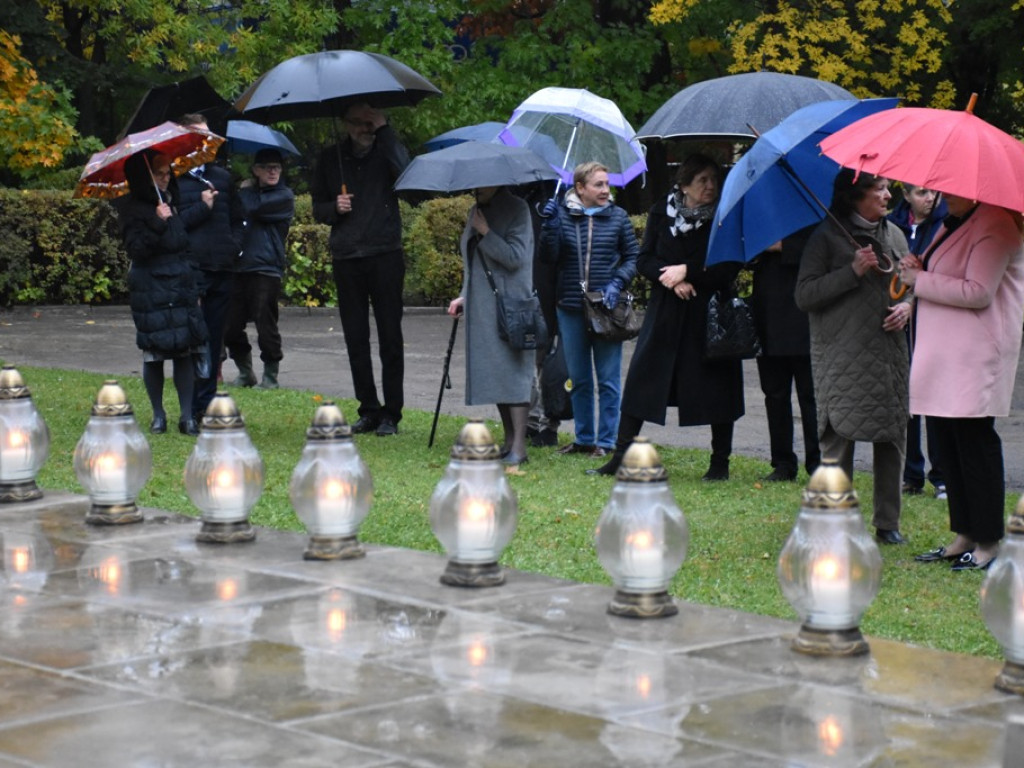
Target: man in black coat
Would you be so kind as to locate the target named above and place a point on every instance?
(212, 215)
(353, 192)
(785, 357)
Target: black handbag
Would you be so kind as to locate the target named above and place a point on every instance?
(618, 323)
(555, 384)
(520, 320)
(730, 332)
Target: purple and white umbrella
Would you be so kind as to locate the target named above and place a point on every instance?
(568, 126)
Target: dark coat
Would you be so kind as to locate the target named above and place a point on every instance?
(668, 366)
(613, 250)
(215, 234)
(374, 225)
(919, 237)
(782, 327)
(268, 215)
(162, 289)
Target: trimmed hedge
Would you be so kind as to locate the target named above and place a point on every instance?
(58, 250)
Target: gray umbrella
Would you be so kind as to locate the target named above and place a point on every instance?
(471, 165)
(730, 107)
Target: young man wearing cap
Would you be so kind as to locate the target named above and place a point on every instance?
(268, 206)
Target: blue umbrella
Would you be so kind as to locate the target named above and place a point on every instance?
(248, 138)
(486, 132)
(783, 183)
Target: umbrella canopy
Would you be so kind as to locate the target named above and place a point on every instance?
(324, 84)
(783, 183)
(471, 165)
(169, 102)
(188, 147)
(568, 126)
(487, 132)
(247, 137)
(951, 151)
(729, 107)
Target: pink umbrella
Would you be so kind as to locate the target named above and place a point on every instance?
(951, 151)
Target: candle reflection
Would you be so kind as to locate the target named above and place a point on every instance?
(476, 654)
(109, 573)
(21, 559)
(643, 686)
(227, 589)
(830, 734)
(337, 620)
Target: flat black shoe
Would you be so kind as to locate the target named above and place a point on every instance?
(386, 427)
(188, 427)
(365, 424)
(968, 562)
(935, 555)
(716, 474)
(780, 476)
(158, 425)
(909, 489)
(512, 459)
(546, 438)
(889, 537)
(575, 448)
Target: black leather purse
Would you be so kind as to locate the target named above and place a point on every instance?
(730, 332)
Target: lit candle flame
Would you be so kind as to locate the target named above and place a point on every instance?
(107, 461)
(335, 489)
(830, 733)
(16, 438)
(224, 478)
(826, 568)
(641, 539)
(478, 510)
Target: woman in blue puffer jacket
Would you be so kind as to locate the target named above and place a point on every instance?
(592, 241)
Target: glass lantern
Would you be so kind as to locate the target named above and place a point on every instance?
(24, 440)
(473, 510)
(641, 536)
(112, 459)
(331, 488)
(1002, 603)
(224, 474)
(830, 568)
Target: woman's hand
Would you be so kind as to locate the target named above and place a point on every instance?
(672, 275)
(685, 291)
(898, 317)
(207, 196)
(164, 211)
(864, 260)
(479, 221)
(455, 307)
(910, 268)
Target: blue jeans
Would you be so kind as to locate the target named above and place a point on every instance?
(584, 356)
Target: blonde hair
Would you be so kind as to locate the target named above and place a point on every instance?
(582, 172)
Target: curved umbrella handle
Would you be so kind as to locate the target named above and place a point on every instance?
(897, 290)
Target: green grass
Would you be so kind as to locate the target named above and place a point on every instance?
(737, 528)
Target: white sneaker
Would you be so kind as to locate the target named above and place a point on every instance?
(940, 492)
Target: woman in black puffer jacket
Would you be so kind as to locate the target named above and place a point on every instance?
(163, 296)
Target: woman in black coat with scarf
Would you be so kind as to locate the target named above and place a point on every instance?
(162, 289)
(668, 366)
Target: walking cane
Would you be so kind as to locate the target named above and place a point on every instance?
(446, 381)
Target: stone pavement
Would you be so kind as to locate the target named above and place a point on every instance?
(102, 339)
(136, 646)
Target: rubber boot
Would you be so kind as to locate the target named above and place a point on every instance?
(269, 376)
(246, 375)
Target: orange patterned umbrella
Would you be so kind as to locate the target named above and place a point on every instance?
(187, 147)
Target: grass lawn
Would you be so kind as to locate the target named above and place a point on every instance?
(737, 528)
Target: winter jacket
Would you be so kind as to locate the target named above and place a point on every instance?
(268, 214)
(970, 307)
(496, 373)
(215, 234)
(782, 327)
(668, 366)
(613, 248)
(162, 290)
(374, 225)
(919, 236)
(860, 371)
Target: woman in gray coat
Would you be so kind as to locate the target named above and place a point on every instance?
(858, 348)
(498, 236)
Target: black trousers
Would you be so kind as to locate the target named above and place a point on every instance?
(972, 458)
(255, 297)
(778, 374)
(375, 280)
(214, 300)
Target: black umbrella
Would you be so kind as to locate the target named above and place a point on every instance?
(736, 107)
(474, 164)
(169, 102)
(324, 84)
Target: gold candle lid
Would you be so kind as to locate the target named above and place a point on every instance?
(641, 464)
(111, 401)
(329, 424)
(475, 443)
(12, 386)
(222, 414)
(830, 488)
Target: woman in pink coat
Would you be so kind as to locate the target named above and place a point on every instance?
(969, 289)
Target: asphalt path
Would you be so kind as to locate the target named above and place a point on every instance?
(102, 340)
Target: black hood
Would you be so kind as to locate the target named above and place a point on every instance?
(140, 180)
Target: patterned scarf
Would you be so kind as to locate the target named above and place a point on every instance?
(685, 219)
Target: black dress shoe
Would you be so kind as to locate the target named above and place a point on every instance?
(599, 453)
(158, 425)
(968, 562)
(779, 475)
(188, 427)
(365, 424)
(716, 474)
(935, 555)
(546, 438)
(565, 450)
(386, 427)
(889, 537)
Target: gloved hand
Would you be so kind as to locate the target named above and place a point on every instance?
(612, 291)
(550, 209)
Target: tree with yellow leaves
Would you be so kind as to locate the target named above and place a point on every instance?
(35, 120)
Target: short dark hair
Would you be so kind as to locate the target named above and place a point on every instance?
(849, 188)
(191, 118)
(268, 155)
(692, 165)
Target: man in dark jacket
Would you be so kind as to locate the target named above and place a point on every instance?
(353, 192)
(268, 205)
(212, 216)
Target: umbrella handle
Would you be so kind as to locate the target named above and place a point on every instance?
(156, 188)
(897, 290)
